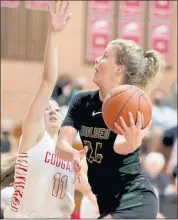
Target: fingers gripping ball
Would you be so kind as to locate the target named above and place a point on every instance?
(122, 100)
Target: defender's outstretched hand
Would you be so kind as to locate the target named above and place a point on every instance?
(60, 16)
(77, 165)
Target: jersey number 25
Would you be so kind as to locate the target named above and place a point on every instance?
(94, 156)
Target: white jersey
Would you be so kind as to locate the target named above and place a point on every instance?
(43, 184)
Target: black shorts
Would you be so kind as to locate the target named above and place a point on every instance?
(135, 205)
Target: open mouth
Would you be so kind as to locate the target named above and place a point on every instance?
(53, 119)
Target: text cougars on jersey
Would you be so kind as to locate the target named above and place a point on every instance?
(100, 133)
(56, 161)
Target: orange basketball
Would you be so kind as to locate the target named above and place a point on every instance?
(122, 100)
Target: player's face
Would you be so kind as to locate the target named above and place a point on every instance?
(106, 68)
(53, 116)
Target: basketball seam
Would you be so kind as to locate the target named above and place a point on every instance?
(148, 106)
(139, 110)
(123, 107)
(114, 96)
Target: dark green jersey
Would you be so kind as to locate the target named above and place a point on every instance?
(110, 174)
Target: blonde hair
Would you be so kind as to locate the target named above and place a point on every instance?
(141, 67)
(8, 171)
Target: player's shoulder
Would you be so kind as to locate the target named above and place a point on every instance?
(87, 95)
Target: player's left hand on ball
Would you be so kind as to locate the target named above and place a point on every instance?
(60, 16)
(133, 133)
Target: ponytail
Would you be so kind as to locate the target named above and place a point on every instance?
(140, 68)
(8, 171)
(154, 68)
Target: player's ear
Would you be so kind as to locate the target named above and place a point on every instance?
(120, 70)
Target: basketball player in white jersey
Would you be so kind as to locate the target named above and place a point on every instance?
(43, 183)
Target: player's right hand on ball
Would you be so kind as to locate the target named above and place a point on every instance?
(133, 133)
(77, 165)
(60, 16)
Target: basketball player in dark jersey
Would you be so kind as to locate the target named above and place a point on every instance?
(114, 170)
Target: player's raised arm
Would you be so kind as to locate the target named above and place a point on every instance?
(33, 124)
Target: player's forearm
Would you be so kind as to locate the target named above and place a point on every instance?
(64, 150)
(92, 198)
(84, 187)
(51, 58)
(121, 146)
